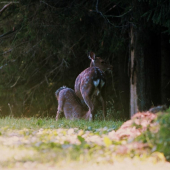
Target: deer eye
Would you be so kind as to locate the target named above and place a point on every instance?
(103, 62)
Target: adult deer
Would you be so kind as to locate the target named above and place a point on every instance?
(90, 83)
(70, 105)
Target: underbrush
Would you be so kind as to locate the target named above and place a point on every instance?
(112, 115)
(158, 134)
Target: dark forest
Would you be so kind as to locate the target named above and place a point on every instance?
(44, 45)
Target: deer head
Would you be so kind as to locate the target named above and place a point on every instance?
(99, 62)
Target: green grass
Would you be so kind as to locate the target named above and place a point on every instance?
(44, 140)
(36, 123)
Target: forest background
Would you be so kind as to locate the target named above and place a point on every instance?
(44, 45)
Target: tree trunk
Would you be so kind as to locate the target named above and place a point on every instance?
(145, 70)
(133, 78)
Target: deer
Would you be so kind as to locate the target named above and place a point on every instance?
(70, 105)
(90, 84)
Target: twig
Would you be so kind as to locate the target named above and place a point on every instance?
(12, 49)
(6, 64)
(6, 51)
(97, 2)
(9, 32)
(5, 7)
(3, 66)
(77, 42)
(106, 16)
(11, 114)
(34, 46)
(46, 80)
(47, 4)
(15, 82)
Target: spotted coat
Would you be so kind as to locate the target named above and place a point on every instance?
(90, 84)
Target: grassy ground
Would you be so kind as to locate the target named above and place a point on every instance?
(34, 143)
(36, 123)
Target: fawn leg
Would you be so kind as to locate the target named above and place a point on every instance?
(60, 109)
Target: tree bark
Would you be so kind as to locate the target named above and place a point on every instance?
(145, 70)
(133, 78)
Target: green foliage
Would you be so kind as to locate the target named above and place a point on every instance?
(81, 139)
(158, 135)
(158, 12)
(40, 122)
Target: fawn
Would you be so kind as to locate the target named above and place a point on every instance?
(71, 105)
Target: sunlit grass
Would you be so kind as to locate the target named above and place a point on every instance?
(44, 140)
(43, 143)
(36, 123)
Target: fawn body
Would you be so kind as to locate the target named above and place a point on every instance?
(70, 105)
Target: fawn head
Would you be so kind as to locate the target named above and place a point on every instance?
(99, 62)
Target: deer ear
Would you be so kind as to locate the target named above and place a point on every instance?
(91, 56)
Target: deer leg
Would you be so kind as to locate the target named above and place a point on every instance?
(104, 107)
(89, 103)
(60, 109)
(58, 115)
(88, 116)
